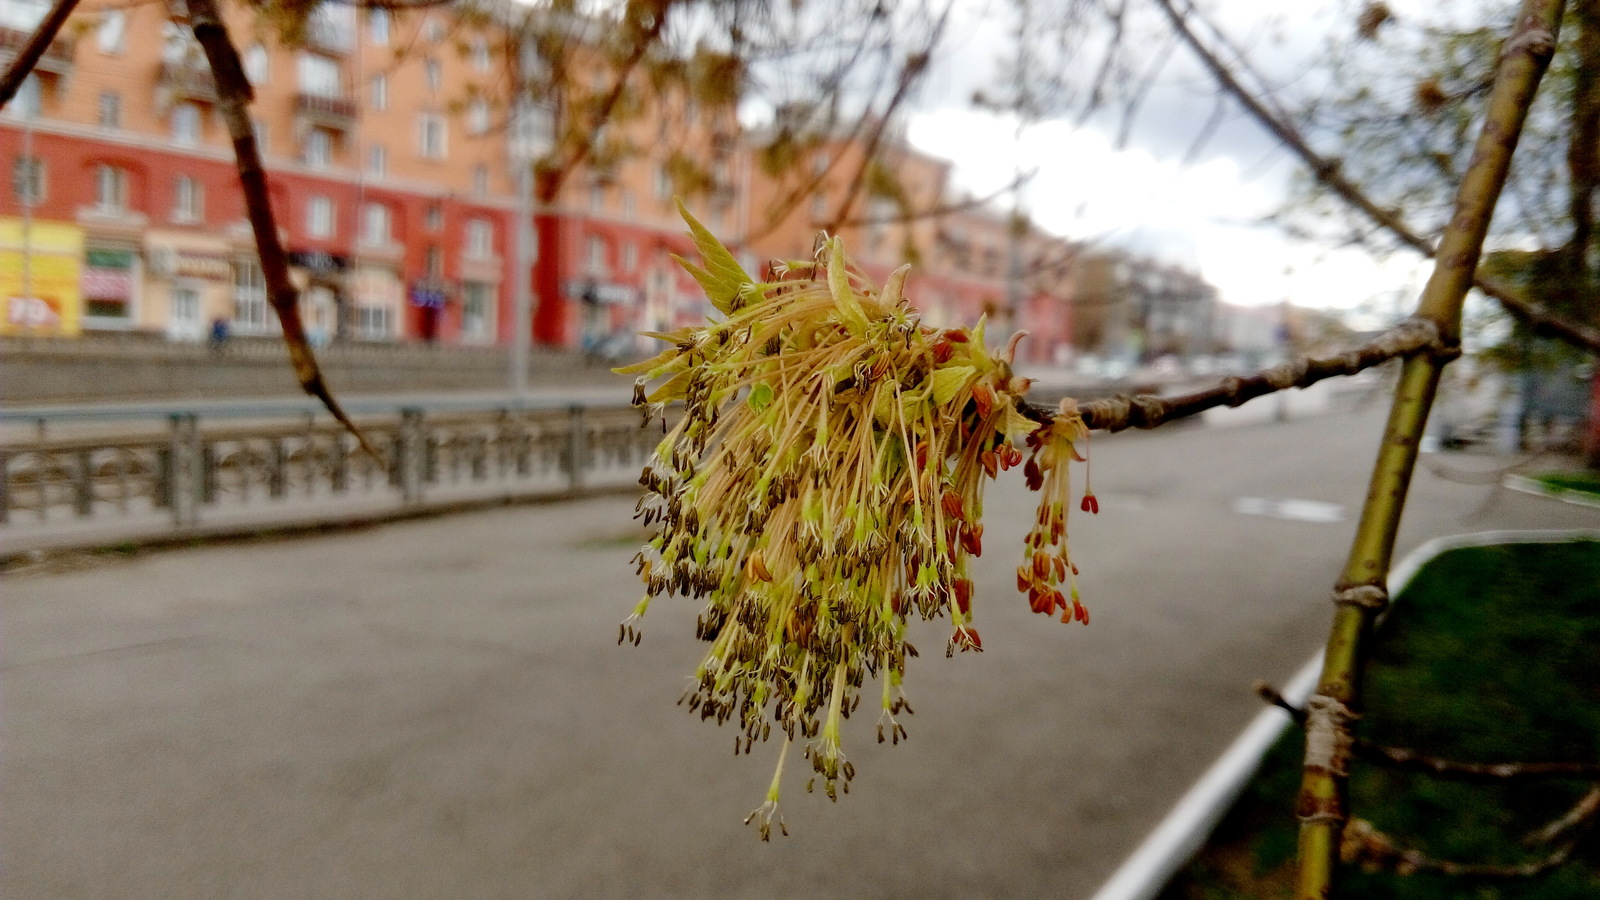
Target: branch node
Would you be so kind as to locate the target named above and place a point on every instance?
(1365, 596)
(1328, 739)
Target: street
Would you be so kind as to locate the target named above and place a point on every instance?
(439, 708)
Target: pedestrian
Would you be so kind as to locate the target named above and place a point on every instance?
(219, 334)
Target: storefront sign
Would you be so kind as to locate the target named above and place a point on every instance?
(429, 293)
(209, 266)
(39, 288)
(318, 262)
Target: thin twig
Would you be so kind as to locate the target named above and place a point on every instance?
(1364, 845)
(1327, 171)
(1148, 410)
(1407, 760)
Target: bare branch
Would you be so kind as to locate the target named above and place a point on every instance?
(1363, 844)
(233, 98)
(29, 55)
(1327, 171)
(1406, 760)
(1149, 411)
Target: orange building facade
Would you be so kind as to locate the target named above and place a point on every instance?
(393, 156)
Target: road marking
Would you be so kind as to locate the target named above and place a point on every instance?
(1289, 508)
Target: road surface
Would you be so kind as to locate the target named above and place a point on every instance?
(439, 708)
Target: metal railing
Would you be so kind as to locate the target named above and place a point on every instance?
(185, 474)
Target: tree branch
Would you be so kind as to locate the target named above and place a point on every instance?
(29, 55)
(1364, 845)
(1149, 411)
(1406, 760)
(234, 95)
(1327, 172)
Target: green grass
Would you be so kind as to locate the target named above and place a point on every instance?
(1491, 654)
(1584, 482)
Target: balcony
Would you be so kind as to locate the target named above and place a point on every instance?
(185, 82)
(57, 58)
(329, 112)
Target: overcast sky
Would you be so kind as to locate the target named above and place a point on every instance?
(1146, 196)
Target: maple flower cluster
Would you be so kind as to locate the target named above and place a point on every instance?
(823, 483)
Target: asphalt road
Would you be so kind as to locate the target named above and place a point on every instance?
(439, 708)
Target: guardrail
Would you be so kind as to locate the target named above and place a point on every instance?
(190, 472)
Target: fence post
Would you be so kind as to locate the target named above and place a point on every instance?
(83, 483)
(5, 486)
(577, 447)
(411, 448)
(183, 474)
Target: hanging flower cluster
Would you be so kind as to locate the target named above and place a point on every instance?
(825, 482)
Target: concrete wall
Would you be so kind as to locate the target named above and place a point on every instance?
(131, 367)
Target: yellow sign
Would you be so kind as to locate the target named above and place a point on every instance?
(39, 293)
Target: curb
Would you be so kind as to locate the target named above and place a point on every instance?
(1526, 485)
(1185, 829)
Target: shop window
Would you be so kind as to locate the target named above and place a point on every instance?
(189, 199)
(107, 285)
(319, 217)
(480, 238)
(185, 308)
(28, 180)
(110, 189)
(250, 314)
(477, 311)
(374, 322)
(110, 109)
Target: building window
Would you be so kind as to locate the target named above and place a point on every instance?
(819, 207)
(431, 136)
(480, 53)
(107, 283)
(110, 189)
(597, 197)
(477, 311)
(433, 262)
(377, 161)
(630, 257)
(375, 225)
(258, 128)
(374, 322)
(186, 124)
(113, 31)
(663, 183)
(256, 64)
(28, 101)
(318, 150)
(380, 92)
(627, 204)
(432, 74)
(249, 297)
(319, 76)
(434, 217)
(319, 217)
(378, 27)
(110, 110)
(27, 180)
(188, 200)
(595, 258)
(432, 31)
(480, 238)
(478, 116)
(480, 180)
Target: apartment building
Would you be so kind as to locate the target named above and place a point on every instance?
(391, 185)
